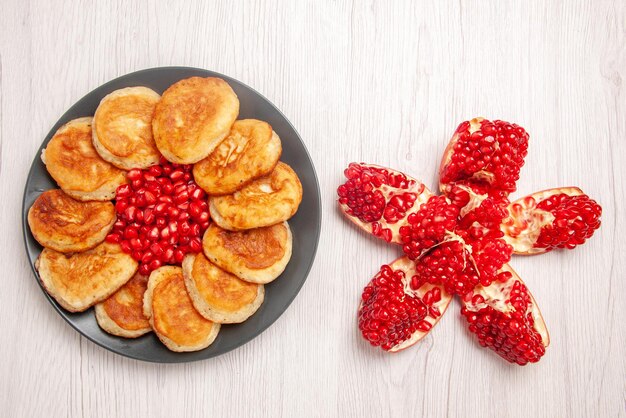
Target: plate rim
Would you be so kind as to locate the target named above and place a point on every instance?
(182, 358)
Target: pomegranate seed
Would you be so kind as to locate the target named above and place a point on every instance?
(177, 174)
(131, 232)
(123, 191)
(195, 245)
(134, 174)
(126, 247)
(113, 238)
(136, 254)
(198, 194)
(135, 244)
(121, 205)
(194, 210)
(144, 269)
(185, 228)
(148, 216)
(136, 184)
(155, 264)
(178, 256)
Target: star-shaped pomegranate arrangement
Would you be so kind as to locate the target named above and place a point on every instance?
(460, 242)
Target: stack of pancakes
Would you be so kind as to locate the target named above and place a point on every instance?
(251, 196)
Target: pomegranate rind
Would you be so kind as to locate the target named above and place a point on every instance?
(526, 221)
(389, 231)
(408, 267)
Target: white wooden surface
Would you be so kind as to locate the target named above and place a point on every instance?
(383, 82)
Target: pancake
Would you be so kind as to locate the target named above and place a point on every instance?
(251, 150)
(121, 313)
(84, 279)
(78, 169)
(63, 224)
(172, 316)
(266, 201)
(193, 117)
(218, 295)
(122, 128)
(256, 255)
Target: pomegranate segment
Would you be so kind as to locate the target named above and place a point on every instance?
(394, 316)
(505, 318)
(485, 154)
(161, 215)
(555, 218)
(379, 199)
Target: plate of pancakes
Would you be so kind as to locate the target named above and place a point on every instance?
(172, 214)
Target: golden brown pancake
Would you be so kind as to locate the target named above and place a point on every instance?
(81, 280)
(121, 313)
(257, 255)
(218, 295)
(266, 201)
(122, 128)
(78, 169)
(251, 150)
(193, 117)
(172, 315)
(66, 225)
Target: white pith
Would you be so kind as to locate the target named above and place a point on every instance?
(525, 221)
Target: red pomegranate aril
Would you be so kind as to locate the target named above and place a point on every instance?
(121, 205)
(184, 216)
(148, 177)
(151, 199)
(177, 174)
(136, 255)
(173, 212)
(148, 216)
(183, 240)
(195, 245)
(187, 177)
(153, 234)
(156, 249)
(180, 188)
(172, 227)
(125, 245)
(130, 213)
(135, 243)
(139, 216)
(131, 232)
(160, 208)
(155, 170)
(134, 174)
(195, 229)
(123, 191)
(165, 199)
(136, 184)
(184, 228)
(113, 238)
(165, 233)
(202, 218)
(168, 188)
(161, 222)
(198, 194)
(194, 210)
(178, 256)
(155, 264)
(168, 255)
(183, 206)
(147, 257)
(144, 269)
(181, 197)
(119, 224)
(205, 225)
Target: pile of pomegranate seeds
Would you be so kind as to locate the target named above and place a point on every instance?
(161, 215)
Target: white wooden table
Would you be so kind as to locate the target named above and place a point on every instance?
(382, 82)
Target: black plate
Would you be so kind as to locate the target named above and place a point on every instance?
(305, 225)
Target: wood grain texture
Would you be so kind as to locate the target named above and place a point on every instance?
(380, 82)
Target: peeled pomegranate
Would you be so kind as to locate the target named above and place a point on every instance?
(460, 243)
(395, 316)
(486, 155)
(379, 199)
(555, 218)
(505, 318)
